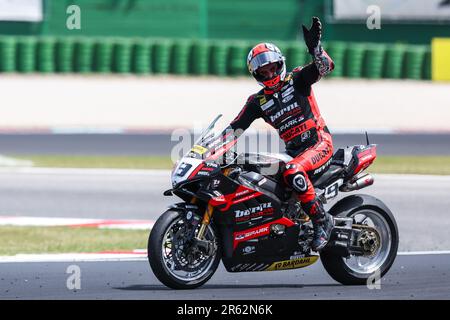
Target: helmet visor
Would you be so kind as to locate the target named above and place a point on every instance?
(263, 59)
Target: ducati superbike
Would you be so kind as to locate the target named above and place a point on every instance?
(236, 209)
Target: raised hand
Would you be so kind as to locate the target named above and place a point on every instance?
(312, 36)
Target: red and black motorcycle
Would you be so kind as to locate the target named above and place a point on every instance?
(241, 212)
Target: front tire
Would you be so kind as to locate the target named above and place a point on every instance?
(167, 253)
(355, 272)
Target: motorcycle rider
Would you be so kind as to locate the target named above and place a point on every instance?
(287, 103)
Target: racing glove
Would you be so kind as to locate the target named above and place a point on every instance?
(312, 38)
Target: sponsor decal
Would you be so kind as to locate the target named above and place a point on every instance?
(203, 173)
(293, 263)
(288, 98)
(263, 180)
(296, 256)
(262, 99)
(198, 149)
(267, 105)
(305, 135)
(240, 237)
(253, 233)
(261, 231)
(322, 168)
(254, 213)
(283, 111)
(291, 123)
(250, 196)
(212, 164)
(288, 91)
(249, 250)
(242, 193)
(292, 133)
(319, 156)
(215, 183)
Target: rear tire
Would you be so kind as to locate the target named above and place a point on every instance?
(157, 255)
(338, 268)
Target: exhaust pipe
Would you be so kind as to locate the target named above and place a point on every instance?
(360, 182)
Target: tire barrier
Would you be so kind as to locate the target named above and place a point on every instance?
(26, 54)
(122, 51)
(395, 57)
(415, 57)
(103, 56)
(46, 55)
(373, 66)
(84, 49)
(337, 50)
(8, 54)
(296, 55)
(238, 59)
(142, 57)
(162, 56)
(219, 55)
(200, 58)
(427, 64)
(354, 60)
(180, 57)
(107, 55)
(65, 55)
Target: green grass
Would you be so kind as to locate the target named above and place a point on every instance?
(437, 165)
(16, 240)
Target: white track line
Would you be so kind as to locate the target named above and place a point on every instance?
(420, 253)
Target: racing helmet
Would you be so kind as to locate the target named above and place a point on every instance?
(263, 54)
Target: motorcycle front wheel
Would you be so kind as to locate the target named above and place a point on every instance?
(173, 255)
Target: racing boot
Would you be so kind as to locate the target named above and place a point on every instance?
(322, 224)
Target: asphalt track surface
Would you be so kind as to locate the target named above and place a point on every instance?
(161, 144)
(411, 277)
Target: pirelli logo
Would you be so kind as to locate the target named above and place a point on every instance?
(293, 264)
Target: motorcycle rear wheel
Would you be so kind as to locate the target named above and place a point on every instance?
(168, 259)
(351, 271)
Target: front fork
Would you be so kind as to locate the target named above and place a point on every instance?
(205, 222)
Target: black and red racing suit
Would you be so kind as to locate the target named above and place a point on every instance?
(294, 113)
